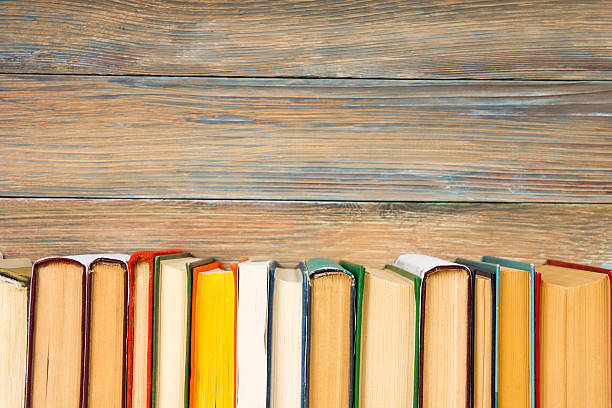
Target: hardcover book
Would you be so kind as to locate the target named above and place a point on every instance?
(140, 326)
(574, 316)
(445, 363)
(15, 277)
(389, 331)
(358, 272)
(485, 317)
(287, 340)
(213, 338)
(252, 334)
(107, 308)
(517, 331)
(332, 334)
(172, 297)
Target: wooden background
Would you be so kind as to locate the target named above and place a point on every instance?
(355, 129)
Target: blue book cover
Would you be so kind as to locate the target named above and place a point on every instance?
(304, 346)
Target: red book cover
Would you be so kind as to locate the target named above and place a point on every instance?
(584, 268)
(235, 273)
(537, 339)
(136, 257)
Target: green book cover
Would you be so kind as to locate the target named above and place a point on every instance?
(19, 269)
(417, 326)
(358, 272)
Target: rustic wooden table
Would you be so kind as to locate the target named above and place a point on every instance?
(287, 129)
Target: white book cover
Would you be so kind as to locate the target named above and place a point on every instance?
(419, 264)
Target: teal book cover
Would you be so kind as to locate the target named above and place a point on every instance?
(530, 268)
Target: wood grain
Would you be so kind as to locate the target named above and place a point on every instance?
(348, 38)
(361, 140)
(290, 231)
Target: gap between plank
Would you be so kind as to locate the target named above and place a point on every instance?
(309, 201)
(305, 77)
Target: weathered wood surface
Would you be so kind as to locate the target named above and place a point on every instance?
(369, 233)
(361, 140)
(349, 38)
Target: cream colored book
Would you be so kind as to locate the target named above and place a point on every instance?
(252, 334)
(389, 339)
(15, 277)
(172, 283)
(287, 339)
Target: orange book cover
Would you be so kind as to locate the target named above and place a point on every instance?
(196, 272)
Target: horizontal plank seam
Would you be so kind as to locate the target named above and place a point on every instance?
(446, 79)
(304, 201)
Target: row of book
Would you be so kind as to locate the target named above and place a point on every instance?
(165, 329)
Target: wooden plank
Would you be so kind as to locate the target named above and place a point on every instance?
(349, 38)
(290, 231)
(360, 140)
